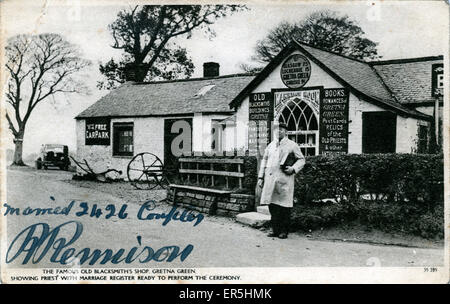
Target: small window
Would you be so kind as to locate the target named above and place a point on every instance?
(123, 140)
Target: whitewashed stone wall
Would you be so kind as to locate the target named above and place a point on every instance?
(201, 125)
(148, 137)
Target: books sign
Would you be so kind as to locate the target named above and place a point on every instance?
(334, 121)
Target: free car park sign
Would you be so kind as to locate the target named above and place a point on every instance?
(98, 131)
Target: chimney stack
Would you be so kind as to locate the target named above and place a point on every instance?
(210, 69)
(135, 72)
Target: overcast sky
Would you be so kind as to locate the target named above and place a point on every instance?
(403, 30)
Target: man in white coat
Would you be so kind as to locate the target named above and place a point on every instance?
(282, 160)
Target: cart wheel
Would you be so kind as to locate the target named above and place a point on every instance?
(146, 171)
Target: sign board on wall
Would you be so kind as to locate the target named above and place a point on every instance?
(98, 131)
(437, 80)
(311, 96)
(295, 71)
(260, 116)
(333, 122)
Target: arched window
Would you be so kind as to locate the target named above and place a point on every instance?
(302, 125)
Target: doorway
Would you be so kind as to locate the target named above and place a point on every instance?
(180, 130)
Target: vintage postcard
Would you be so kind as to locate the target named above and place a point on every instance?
(224, 141)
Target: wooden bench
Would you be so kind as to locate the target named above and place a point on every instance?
(197, 172)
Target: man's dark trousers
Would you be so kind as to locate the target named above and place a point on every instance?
(280, 219)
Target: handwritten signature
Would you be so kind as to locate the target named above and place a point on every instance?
(146, 212)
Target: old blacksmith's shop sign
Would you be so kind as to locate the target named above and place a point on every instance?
(260, 121)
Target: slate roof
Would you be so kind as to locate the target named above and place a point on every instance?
(364, 78)
(389, 84)
(169, 97)
(361, 77)
(408, 79)
(357, 73)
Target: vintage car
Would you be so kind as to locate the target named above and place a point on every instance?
(53, 156)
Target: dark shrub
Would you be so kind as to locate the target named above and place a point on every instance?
(391, 192)
(317, 215)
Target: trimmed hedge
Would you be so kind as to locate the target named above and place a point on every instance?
(391, 192)
(385, 177)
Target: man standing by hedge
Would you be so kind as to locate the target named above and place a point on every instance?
(282, 160)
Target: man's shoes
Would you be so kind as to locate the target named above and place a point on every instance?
(272, 234)
(283, 236)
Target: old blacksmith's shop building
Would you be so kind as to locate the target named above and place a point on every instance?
(331, 104)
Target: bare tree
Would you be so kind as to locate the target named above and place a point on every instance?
(39, 66)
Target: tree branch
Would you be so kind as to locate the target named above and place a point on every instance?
(11, 125)
(158, 27)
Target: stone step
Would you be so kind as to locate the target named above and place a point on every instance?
(254, 219)
(263, 210)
